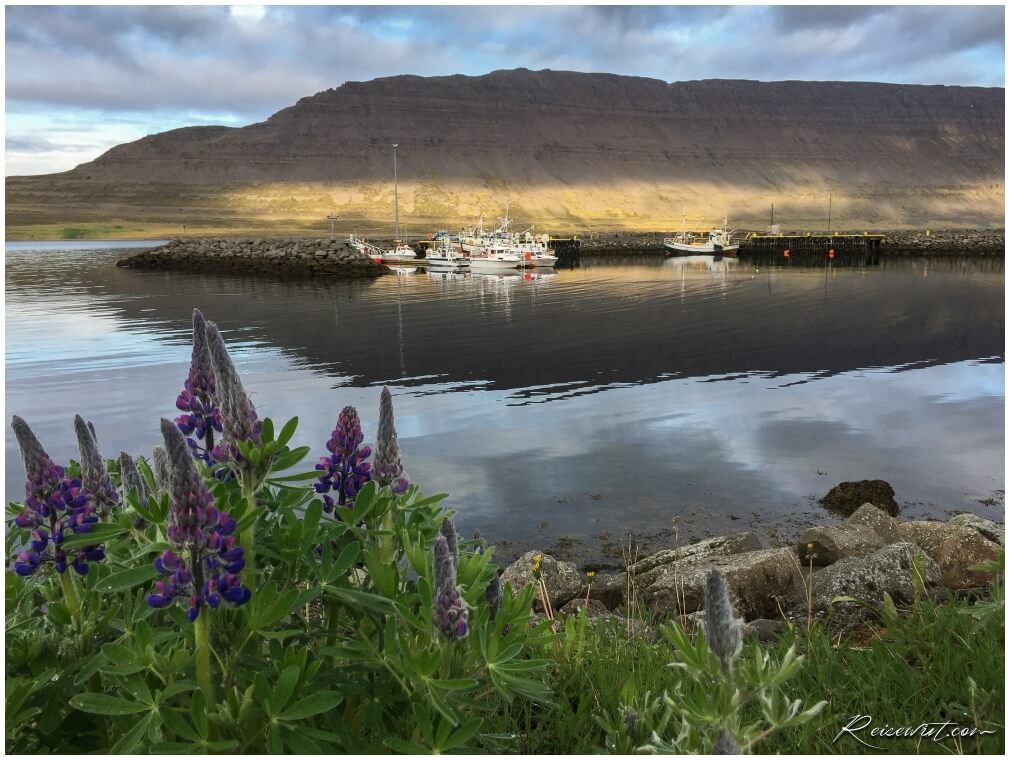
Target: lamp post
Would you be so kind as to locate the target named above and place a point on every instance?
(333, 218)
(396, 193)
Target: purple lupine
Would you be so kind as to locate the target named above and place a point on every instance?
(202, 416)
(204, 567)
(54, 504)
(161, 473)
(449, 531)
(345, 470)
(387, 469)
(239, 422)
(94, 476)
(449, 614)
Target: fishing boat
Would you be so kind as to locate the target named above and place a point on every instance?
(446, 256)
(496, 257)
(718, 241)
(536, 248)
(400, 252)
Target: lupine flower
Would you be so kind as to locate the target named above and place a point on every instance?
(723, 629)
(492, 595)
(202, 415)
(725, 744)
(130, 477)
(54, 504)
(161, 472)
(449, 613)
(386, 468)
(238, 415)
(345, 470)
(449, 531)
(203, 568)
(481, 543)
(94, 477)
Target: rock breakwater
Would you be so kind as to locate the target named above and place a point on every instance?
(295, 258)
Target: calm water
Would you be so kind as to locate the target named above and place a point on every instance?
(580, 404)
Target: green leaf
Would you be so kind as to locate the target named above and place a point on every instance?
(59, 613)
(178, 725)
(127, 579)
(313, 705)
(404, 747)
(105, 704)
(131, 738)
(287, 431)
(99, 534)
(283, 689)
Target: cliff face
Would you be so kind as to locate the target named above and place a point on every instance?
(589, 149)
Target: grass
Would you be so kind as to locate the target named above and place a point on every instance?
(934, 663)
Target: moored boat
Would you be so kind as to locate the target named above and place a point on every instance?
(446, 256)
(718, 241)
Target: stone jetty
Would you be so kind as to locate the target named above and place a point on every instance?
(322, 257)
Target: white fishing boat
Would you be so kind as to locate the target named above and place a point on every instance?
(496, 259)
(446, 256)
(535, 251)
(400, 252)
(718, 241)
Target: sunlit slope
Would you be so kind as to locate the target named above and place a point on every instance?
(566, 150)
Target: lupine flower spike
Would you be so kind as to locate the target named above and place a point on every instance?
(449, 531)
(204, 566)
(386, 468)
(492, 594)
(725, 744)
(449, 613)
(723, 629)
(130, 477)
(54, 504)
(201, 414)
(161, 473)
(94, 477)
(239, 422)
(345, 470)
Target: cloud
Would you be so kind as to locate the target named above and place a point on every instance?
(166, 65)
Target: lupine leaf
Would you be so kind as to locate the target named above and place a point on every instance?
(105, 704)
(131, 738)
(313, 705)
(283, 689)
(127, 579)
(287, 431)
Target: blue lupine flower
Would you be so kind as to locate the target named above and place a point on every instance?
(238, 415)
(202, 415)
(345, 471)
(203, 568)
(94, 476)
(449, 614)
(54, 505)
(387, 469)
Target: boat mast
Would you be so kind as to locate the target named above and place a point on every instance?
(396, 194)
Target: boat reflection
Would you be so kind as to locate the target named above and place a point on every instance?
(701, 263)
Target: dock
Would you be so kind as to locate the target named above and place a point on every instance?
(807, 242)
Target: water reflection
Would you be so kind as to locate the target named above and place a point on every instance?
(598, 399)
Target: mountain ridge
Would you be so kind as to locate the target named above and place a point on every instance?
(592, 150)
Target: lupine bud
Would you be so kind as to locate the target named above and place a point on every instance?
(723, 629)
(197, 399)
(492, 594)
(238, 415)
(54, 505)
(725, 744)
(161, 472)
(449, 613)
(345, 471)
(131, 478)
(481, 543)
(386, 468)
(449, 531)
(204, 568)
(94, 477)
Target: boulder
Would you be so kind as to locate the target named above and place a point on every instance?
(710, 547)
(830, 543)
(562, 579)
(847, 497)
(961, 550)
(991, 530)
(757, 579)
(876, 520)
(594, 608)
(609, 589)
(928, 535)
(866, 579)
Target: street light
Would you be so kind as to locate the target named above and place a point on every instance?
(396, 193)
(332, 218)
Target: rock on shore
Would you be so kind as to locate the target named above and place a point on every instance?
(854, 563)
(325, 257)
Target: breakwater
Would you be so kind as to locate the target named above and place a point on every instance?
(295, 258)
(963, 241)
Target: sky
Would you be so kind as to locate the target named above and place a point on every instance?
(81, 79)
